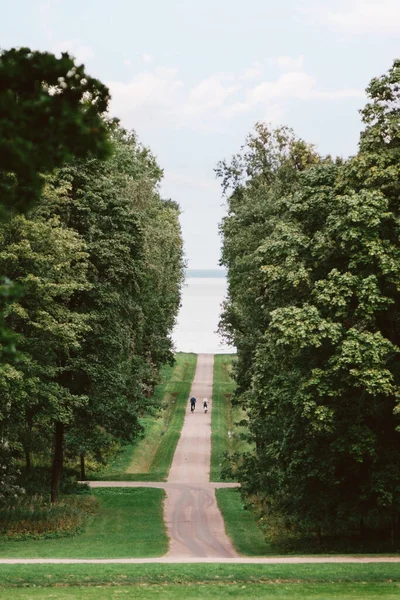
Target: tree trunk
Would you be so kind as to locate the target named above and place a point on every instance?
(362, 528)
(28, 463)
(319, 538)
(393, 529)
(57, 462)
(83, 474)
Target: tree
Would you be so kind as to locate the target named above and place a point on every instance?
(268, 166)
(318, 306)
(49, 262)
(51, 111)
(135, 253)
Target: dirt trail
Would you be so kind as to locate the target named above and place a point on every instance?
(193, 520)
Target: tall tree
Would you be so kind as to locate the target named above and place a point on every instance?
(324, 371)
(50, 112)
(135, 253)
(50, 264)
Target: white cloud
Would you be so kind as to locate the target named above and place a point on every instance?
(289, 85)
(296, 84)
(147, 96)
(127, 62)
(252, 73)
(287, 62)
(81, 52)
(147, 58)
(210, 94)
(160, 98)
(358, 16)
(366, 16)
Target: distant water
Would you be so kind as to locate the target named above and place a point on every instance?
(206, 273)
(198, 318)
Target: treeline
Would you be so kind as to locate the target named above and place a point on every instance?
(92, 265)
(312, 247)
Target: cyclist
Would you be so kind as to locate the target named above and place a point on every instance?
(192, 403)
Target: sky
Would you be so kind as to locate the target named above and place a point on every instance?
(192, 77)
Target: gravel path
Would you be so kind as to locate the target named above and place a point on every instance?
(193, 520)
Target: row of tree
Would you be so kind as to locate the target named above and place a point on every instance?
(96, 263)
(312, 247)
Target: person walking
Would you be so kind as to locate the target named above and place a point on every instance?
(192, 403)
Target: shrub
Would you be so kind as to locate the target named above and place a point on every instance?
(35, 518)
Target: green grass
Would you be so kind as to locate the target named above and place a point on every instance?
(389, 591)
(150, 458)
(322, 581)
(221, 418)
(225, 433)
(240, 524)
(128, 524)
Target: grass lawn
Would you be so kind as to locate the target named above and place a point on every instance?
(225, 433)
(240, 524)
(322, 581)
(221, 417)
(345, 591)
(129, 524)
(150, 458)
(225, 437)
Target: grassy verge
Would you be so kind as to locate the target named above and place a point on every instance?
(240, 524)
(389, 591)
(318, 581)
(129, 523)
(150, 458)
(225, 433)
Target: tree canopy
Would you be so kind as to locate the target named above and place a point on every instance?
(92, 268)
(313, 253)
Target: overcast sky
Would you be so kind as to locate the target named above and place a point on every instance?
(193, 76)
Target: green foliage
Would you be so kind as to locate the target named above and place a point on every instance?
(50, 113)
(96, 264)
(313, 253)
(34, 518)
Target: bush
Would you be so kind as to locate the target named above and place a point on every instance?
(35, 518)
(37, 482)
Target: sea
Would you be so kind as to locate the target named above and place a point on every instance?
(196, 329)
